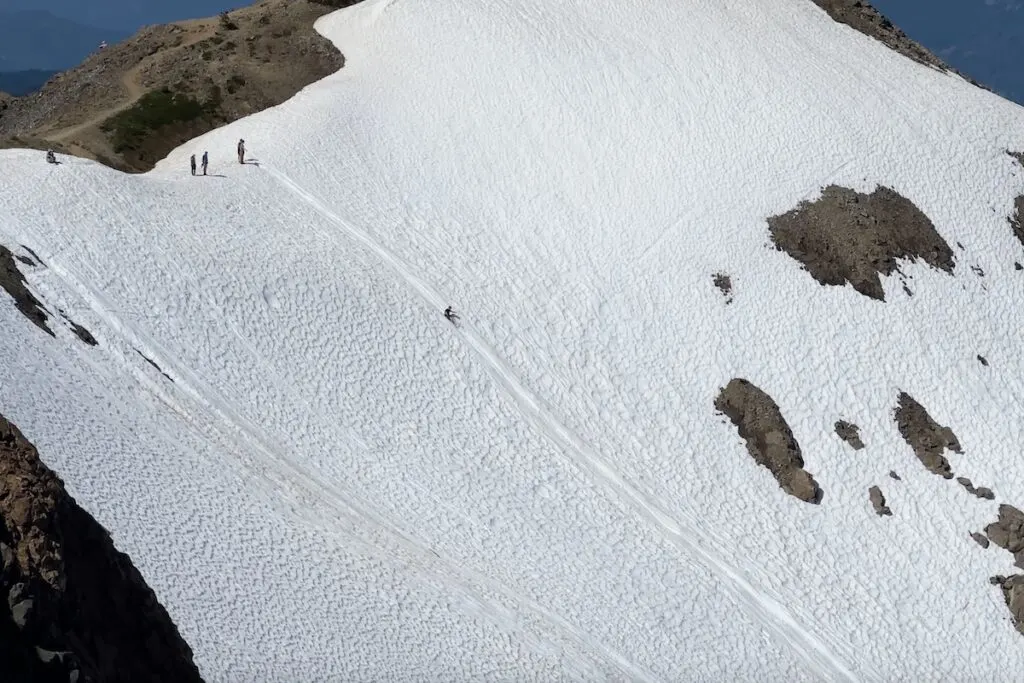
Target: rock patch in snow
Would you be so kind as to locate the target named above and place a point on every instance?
(13, 282)
(878, 502)
(980, 539)
(1013, 595)
(928, 439)
(1017, 219)
(850, 433)
(980, 491)
(724, 283)
(768, 437)
(846, 236)
(1007, 532)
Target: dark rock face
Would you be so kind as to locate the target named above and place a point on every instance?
(724, 284)
(850, 433)
(928, 439)
(878, 502)
(845, 236)
(1017, 219)
(1013, 594)
(1008, 532)
(769, 439)
(13, 283)
(72, 607)
(979, 491)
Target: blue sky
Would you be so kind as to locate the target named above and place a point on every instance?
(982, 38)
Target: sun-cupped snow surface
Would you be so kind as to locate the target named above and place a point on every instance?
(337, 484)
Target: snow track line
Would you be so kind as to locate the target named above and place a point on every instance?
(769, 611)
(305, 492)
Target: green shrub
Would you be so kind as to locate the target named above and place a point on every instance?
(154, 110)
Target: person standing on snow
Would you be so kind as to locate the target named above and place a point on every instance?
(192, 161)
(206, 162)
(241, 151)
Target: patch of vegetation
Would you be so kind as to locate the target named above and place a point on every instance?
(154, 110)
(234, 83)
(227, 23)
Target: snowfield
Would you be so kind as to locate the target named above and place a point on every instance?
(334, 483)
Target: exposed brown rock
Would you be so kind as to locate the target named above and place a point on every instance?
(13, 282)
(850, 433)
(980, 492)
(1013, 595)
(878, 501)
(1007, 532)
(768, 437)
(724, 283)
(928, 439)
(1017, 219)
(845, 236)
(980, 539)
(71, 606)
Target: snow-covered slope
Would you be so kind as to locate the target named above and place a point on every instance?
(333, 483)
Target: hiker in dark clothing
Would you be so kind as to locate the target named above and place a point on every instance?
(206, 162)
(192, 161)
(241, 151)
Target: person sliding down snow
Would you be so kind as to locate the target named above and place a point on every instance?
(51, 158)
(451, 315)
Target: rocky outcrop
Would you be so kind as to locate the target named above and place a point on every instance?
(850, 433)
(1007, 532)
(850, 237)
(928, 438)
(1013, 594)
(72, 608)
(878, 501)
(13, 282)
(768, 437)
(724, 284)
(979, 491)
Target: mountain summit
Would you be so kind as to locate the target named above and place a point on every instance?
(731, 391)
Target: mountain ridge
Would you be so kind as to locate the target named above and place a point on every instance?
(729, 393)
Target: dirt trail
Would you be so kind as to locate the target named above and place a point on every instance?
(132, 83)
